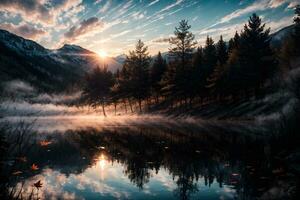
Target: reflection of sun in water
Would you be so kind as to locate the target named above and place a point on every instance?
(101, 166)
(102, 162)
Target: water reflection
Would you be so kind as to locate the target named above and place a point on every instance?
(138, 162)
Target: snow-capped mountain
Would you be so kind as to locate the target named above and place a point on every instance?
(44, 68)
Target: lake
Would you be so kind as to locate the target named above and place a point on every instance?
(139, 157)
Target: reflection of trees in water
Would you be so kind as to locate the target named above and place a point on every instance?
(188, 156)
(137, 172)
(185, 187)
(15, 144)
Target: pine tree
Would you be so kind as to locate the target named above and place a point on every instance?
(198, 58)
(296, 34)
(157, 71)
(181, 52)
(123, 87)
(183, 43)
(255, 57)
(115, 90)
(97, 87)
(209, 63)
(168, 83)
(222, 53)
(210, 56)
(215, 81)
(197, 72)
(234, 42)
(136, 67)
(290, 51)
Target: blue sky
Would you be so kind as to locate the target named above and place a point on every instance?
(112, 27)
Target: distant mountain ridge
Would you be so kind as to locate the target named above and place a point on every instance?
(46, 69)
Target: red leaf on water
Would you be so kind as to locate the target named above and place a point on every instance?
(34, 167)
(45, 143)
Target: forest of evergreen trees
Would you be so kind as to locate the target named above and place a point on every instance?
(218, 72)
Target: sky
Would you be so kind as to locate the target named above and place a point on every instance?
(112, 27)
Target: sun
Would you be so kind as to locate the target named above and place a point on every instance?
(102, 54)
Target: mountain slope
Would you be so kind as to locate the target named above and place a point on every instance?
(280, 36)
(51, 70)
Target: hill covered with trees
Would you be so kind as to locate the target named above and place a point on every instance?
(245, 67)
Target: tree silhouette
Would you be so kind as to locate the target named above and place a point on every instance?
(135, 73)
(216, 79)
(181, 53)
(158, 68)
(296, 34)
(97, 86)
(198, 69)
(290, 52)
(234, 42)
(254, 61)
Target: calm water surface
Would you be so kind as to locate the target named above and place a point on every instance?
(147, 158)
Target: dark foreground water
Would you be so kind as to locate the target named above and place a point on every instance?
(165, 160)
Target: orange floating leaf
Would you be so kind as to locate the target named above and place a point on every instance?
(34, 167)
(45, 143)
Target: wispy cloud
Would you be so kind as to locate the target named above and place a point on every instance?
(105, 7)
(97, 2)
(153, 2)
(259, 5)
(85, 27)
(161, 40)
(120, 34)
(171, 6)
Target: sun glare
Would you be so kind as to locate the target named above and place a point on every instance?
(102, 54)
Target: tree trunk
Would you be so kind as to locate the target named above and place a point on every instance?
(103, 110)
(130, 105)
(140, 105)
(125, 106)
